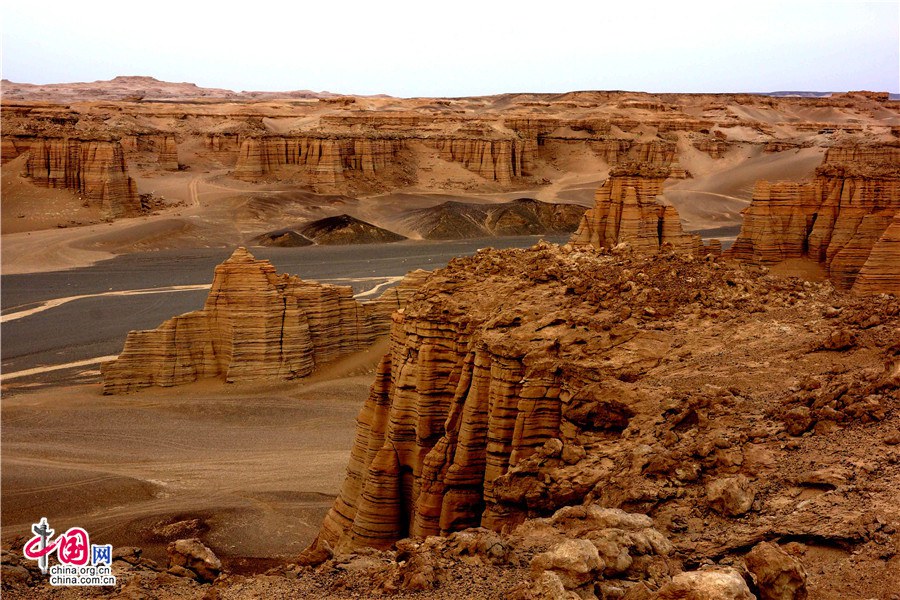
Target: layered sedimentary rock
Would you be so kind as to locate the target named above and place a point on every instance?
(835, 220)
(462, 396)
(164, 147)
(317, 160)
(881, 271)
(93, 168)
(255, 324)
(168, 153)
(496, 160)
(626, 210)
(13, 147)
(715, 146)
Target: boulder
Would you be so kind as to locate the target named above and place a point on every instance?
(721, 583)
(778, 575)
(574, 561)
(731, 496)
(194, 557)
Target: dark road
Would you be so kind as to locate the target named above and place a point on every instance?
(85, 328)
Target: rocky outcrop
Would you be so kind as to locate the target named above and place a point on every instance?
(520, 382)
(472, 388)
(626, 210)
(722, 583)
(314, 160)
(93, 168)
(778, 575)
(339, 230)
(835, 220)
(715, 146)
(880, 273)
(255, 324)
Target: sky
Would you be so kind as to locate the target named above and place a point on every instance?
(461, 47)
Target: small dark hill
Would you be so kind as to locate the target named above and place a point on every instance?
(344, 230)
(330, 231)
(524, 216)
(282, 238)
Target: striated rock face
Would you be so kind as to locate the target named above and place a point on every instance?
(165, 147)
(495, 160)
(880, 273)
(315, 160)
(626, 210)
(224, 148)
(13, 146)
(325, 160)
(835, 220)
(255, 324)
(93, 168)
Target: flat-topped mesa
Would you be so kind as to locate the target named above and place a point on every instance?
(255, 324)
(626, 210)
(835, 220)
(93, 168)
(314, 160)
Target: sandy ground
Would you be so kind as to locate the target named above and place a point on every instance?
(250, 469)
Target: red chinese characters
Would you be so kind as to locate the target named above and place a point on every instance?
(72, 547)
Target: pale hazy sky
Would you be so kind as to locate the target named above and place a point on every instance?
(461, 47)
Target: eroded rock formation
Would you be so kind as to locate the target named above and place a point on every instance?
(835, 220)
(255, 324)
(626, 210)
(163, 147)
(495, 160)
(314, 160)
(93, 168)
